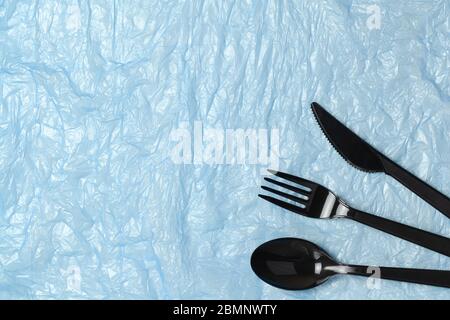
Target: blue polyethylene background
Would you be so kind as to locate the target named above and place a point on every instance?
(93, 95)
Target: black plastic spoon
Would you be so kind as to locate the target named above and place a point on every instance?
(296, 264)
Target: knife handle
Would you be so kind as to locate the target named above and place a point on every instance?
(435, 198)
(422, 238)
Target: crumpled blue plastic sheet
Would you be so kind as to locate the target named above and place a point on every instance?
(101, 104)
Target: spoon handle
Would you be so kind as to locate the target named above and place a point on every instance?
(439, 278)
(420, 237)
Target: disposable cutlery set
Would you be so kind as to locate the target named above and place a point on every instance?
(297, 264)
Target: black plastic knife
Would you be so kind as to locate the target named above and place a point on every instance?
(364, 157)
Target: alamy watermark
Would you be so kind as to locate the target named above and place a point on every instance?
(213, 146)
(73, 278)
(373, 22)
(374, 281)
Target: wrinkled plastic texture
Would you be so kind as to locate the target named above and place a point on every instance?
(92, 203)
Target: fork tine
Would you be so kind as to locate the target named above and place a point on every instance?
(288, 186)
(283, 204)
(285, 195)
(292, 178)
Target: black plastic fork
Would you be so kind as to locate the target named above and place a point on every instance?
(315, 201)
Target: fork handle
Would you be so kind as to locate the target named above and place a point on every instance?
(422, 238)
(439, 278)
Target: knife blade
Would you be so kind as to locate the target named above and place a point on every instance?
(365, 157)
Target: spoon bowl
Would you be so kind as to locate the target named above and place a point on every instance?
(291, 264)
